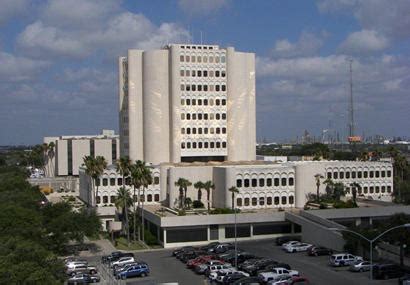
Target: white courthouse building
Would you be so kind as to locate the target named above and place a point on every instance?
(189, 112)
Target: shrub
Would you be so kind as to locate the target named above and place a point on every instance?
(197, 204)
(218, 211)
(150, 239)
(71, 199)
(322, 206)
(181, 212)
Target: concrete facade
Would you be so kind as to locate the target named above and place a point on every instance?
(70, 150)
(187, 103)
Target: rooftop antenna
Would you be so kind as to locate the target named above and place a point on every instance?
(351, 109)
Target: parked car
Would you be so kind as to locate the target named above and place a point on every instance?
(298, 247)
(267, 276)
(122, 261)
(229, 279)
(115, 255)
(318, 250)
(360, 266)
(290, 243)
(343, 259)
(221, 276)
(183, 249)
(125, 266)
(223, 247)
(214, 268)
(199, 260)
(201, 268)
(405, 280)
(248, 262)
(272, 266)
(83, 279)
(284, 239)
(242, 256)
(73, 264)
(209, 246)
(252, 269)
(387, 271)
(81, 268)
(296, 280)
(140, 270)
(247, 281)
(222, 272)
(280, 279)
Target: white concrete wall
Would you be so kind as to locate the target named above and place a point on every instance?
(81, 148)
(103, 147)
(156, 106)
(135, 105)
(61, 157)
(175, 105)
(241, 105)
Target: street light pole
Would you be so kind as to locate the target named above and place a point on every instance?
(371, 241)
(236, 248)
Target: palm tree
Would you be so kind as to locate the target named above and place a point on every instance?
(94, 167)
(317, 179)
(136, 177)
(123, 201)
(355, 186)
(338, 190)
(208, 186)
(183, 185)
(329, 186)
(146, 181)
(44, 148)
(233, 190)
(199, 185)
(123, 167)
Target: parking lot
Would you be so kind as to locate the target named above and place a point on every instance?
(167, 269)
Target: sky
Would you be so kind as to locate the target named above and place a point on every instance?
(59, 73)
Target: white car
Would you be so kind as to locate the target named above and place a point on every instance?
(298, 247)
(290, 243)
(70, 265)
(280, 279)
(215, 268)
(122, 261)
(344, 259)
(213, 276)
(267, 276)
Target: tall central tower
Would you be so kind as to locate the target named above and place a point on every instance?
(187, 103)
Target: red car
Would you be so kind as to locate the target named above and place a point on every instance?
(199, 260)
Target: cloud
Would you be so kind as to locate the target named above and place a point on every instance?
(202, 8)
(11, 8)
(362, 42)
(110, 30)
(307, 44)
(388, 18)
(15, 68)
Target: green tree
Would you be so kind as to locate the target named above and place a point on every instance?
(338, 191)
(183, 185)
(50, 156)
(233, 191)
(208, 186)
(123, 202)
(94, 167)
(317, 180)
(355, 187)
(199, 185)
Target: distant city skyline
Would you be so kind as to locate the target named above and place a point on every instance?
(58, 65)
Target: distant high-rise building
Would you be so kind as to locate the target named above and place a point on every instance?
(187, 103)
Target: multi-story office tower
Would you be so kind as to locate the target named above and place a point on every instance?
(187, 103)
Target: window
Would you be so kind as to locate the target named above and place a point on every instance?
(218, 144)
(365, 190)
(182, 145)
(119, 181)
(98, 200)
(199, 129)
(335, 175)
(182, 72)
(283, 181)
(216, 59)
(156, 197)
(216, 87)
(383, 173)
(217, 116)
(105, 199)
(371, 189)
(199, 88)
(347, 175)
(377, 189)
(199, 116)
(105, 181)
(200, 143)
(371, 174)
(199, 59)
(205, 144)
(181, 58)
(112, 199)
(183, 131)
(291, 200)
(223, 116)
(291, 181)
(261, 201)
(284, 200)
(377, 174)
(359, 174)
(341, 175)
(254, 201)
(269, 201)
(212, 145)
(239, 202)
(217, 73)
(329, 175)
(246, 182)
(388, 189)
(193, 129)
(211, 59)
(188, 145)
(188, 131)
(217, 102)
(156, 180)
(276, 200)
(238, 183)
(149, 198)
(224, 130)
(223, 144)
(223, 73)
(187, 58)
(388, 174)
(276, 181)
(193, 58)
(246, 202)
(182, 116)
(205, 59)
(188, 101)
(205, 101)
(365, 173)
(187, 73)
(188, 116)
(199, 73)
(193, 73)
(112, 181)
(223, 87)
(211, 73)
(193, 88)
(254, 182)
(223, 102)
(223, 59)
(269, 182)
(261, 182)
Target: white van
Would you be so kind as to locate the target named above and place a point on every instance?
(344, 259)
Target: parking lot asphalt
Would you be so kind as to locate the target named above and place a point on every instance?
(167, 269)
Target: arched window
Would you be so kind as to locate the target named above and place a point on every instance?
(291, 200)
(239, 183)
(284, 200)
(276, 181)
(269, 182)
(246, 201)
(156, 197)
(254, 201)
(269, 201)
(254, 182)
(112, 199)
(98, 200)
(291, 181)
(105, 181)
(239, 202)
(261, 201)
(105, 199)
(149, 198)
(261, 182)
(276, 200)
(112, 181)
(283, 181)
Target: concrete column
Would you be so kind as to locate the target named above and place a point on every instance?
(358, 221)
(208, 233)
(241, 123)
(135, 105)
(156, 106)
(175, 104)
(165, 238)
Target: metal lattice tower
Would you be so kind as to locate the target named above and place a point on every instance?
(350, 108)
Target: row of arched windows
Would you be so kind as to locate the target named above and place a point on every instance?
(262, 182)
(105, 199)
(262, 201)
(358, 174)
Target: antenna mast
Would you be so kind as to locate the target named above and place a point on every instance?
(351, 109)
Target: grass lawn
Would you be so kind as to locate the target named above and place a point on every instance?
(122, 245)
